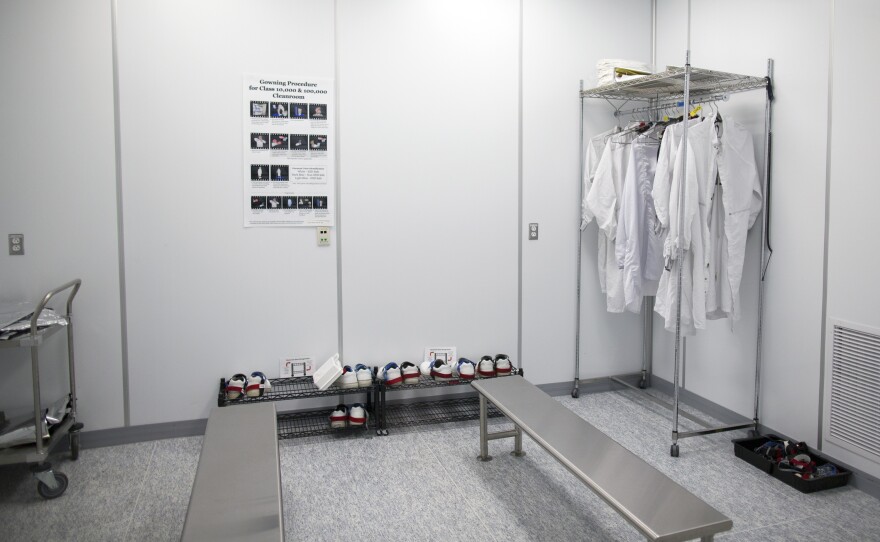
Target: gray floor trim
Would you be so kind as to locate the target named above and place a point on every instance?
(715, 410)
(142, 433)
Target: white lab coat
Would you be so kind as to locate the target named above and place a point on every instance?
(602, 202)
(735, 208)
(639, 241)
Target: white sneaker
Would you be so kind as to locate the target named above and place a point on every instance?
(425, 368)
(339, 417)
(441, 370)
(364, 375)
(357, 415)
(390, 374)
(503, 367)
(466, 369)
(235, 386)
(255, 384)
(410, 373)
(486, 367)
(348, 379)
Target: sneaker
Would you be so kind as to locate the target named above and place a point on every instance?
(466, 369)
(486, 367)
(390, 374)
(339, 417)
(235, 386)
(255, 384)
(357, 415)
(364, 375)
(410, 373)
(425, 368)
(441, 370)
(503, 366)
(348, 379)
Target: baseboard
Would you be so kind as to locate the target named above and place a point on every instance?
(140, 433)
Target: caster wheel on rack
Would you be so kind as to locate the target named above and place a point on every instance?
(575, 393)
(74, 445)
(48, 493)
(643, 384)
(673, 450)
(753, 433)
(384, 432)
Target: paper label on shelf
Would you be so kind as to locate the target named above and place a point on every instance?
(296, 366)
(446, 353)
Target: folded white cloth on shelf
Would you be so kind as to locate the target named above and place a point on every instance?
(605, 70)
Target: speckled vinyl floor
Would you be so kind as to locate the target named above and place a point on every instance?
(426, 484)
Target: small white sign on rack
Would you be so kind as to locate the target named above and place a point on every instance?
(294, 366)
(445, 353)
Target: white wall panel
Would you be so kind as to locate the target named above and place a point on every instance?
(58, 188)
(853, 258)
(739, 37)
(428, 107)
(562, 41)
(206, 297)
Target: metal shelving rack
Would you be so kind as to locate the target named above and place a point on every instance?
(432, 411)
(677, 87)
(305, 423)
(50, 483)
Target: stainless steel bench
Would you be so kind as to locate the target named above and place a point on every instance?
(654, 504)
(237, 491)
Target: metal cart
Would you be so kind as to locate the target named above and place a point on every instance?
(50, 483)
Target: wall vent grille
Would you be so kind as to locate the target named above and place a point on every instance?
(855, 390)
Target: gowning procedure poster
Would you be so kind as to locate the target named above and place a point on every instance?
(289, 151)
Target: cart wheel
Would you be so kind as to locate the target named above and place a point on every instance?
(48, 493)
(74, 445)
(575, 393)
(673, 450)
(753, 433)
(643, 384)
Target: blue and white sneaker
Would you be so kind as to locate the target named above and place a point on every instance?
(364, 375)
(441, 370)
(466, 369)
(390, 374)
(348, 379)
(410, 373)
(357, 415)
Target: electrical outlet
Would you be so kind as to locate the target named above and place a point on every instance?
(16, 244)
(533, 231)
(323, 236)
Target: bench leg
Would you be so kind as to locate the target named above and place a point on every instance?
(517, 442)
(484, 430)
(708, 538)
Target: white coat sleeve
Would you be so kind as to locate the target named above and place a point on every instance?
(602, 199)
(591, 162)
(663, 181)
(628, 206)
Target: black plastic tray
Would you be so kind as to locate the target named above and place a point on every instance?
(744, 449)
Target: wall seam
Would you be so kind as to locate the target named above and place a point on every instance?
(120, 224)
(828, 141)
(337, 196)
(519, 227)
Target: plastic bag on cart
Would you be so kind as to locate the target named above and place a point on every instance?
(23, 431)
(15, 319)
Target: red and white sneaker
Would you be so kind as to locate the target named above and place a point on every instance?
(256, 384)
(235, 386)
(390, 373)
(486, 367)
(503, 367)
(339, 417)
(357, 415)
(466, 369)
(410, 373)
(441, 370)
(348, 378)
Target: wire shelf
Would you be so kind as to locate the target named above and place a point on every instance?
(431, 412)
(314, 423)
(669, 85)
(428, 382)
(284, 389)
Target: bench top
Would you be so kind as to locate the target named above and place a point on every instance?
(237, 491)
(652, 502)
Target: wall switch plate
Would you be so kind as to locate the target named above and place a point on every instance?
(533, 231)
(323, 236)
(16, 244)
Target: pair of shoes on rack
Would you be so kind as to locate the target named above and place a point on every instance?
(343, 416)
(393, 374)
(241, 385)
(359, 377)
(489, 367)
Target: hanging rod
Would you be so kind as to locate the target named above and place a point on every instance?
(679, 103)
